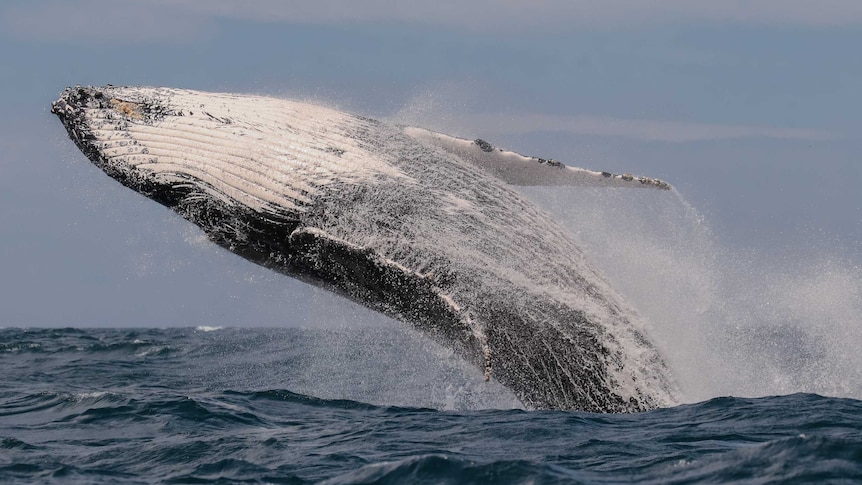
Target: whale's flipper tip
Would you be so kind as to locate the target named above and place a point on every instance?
(633, 180)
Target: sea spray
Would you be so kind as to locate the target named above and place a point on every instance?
(729, 321)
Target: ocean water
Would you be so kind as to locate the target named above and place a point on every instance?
(365, 405)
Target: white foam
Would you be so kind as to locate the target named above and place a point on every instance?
(89, 395)
(154, 350)
(728, 321)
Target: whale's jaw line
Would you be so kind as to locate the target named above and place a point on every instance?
(407, 228)
(263, 235)
(71, 108)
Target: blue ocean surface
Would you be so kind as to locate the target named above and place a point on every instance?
(334, 406)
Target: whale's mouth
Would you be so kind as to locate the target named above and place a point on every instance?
(70, 109)
(83, 110)
(131, 135)
(98, 122)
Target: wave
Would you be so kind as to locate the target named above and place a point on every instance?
(56, 341)
(813, 412)
(157, 434)
(14, 444)
(438, 469)
(285, 396)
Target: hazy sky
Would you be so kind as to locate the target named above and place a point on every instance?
(751, 109)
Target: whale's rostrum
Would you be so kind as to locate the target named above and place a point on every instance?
(421, 226)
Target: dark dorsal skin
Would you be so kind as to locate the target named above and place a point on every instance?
(396, 222)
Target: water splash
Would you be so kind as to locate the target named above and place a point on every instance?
(729, 321)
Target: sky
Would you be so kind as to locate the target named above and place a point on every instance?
(750, 109)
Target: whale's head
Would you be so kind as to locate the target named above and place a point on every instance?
(102, 122)
(188, 151)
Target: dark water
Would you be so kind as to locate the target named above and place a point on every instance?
(230, 406)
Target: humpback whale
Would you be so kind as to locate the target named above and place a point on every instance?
(421, 226)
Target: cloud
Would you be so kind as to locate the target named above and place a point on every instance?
(448, 108)
(164, 20)
(637, 129)
(102, 21)
(537, 14)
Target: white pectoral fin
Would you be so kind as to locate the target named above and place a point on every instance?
(516, 169)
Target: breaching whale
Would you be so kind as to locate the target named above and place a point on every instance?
(421, 226)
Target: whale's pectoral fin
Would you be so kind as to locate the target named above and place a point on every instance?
(518, 169)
